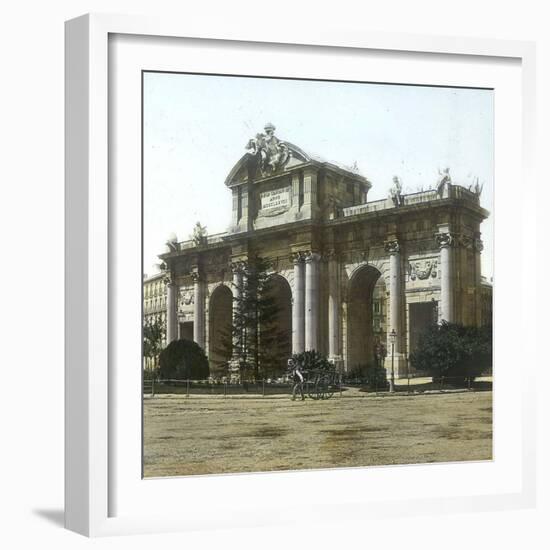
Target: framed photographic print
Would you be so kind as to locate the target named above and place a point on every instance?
(287, 274)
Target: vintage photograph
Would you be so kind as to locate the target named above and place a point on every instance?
(317, 274)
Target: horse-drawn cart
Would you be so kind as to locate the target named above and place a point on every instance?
(321, 384)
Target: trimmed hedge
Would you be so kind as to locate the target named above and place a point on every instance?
(182, 360)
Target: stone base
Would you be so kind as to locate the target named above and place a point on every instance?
(234, 372)
(338, 362)
(399, 366)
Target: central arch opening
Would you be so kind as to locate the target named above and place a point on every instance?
(275, 335)
(366, 317)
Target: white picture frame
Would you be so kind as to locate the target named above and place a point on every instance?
(95, 493)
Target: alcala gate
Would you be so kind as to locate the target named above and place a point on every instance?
(346, 271)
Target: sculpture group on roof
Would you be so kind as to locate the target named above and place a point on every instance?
(267, 152)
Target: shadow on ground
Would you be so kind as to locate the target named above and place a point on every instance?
(56, 517)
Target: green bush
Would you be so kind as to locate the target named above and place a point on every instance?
(455, 352)
(150, 374)
(182, 360)
(369, 375)
(355, 374)
(376, 378)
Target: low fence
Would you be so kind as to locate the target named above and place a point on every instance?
(342, 388)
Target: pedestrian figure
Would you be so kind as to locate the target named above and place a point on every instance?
(297, 378)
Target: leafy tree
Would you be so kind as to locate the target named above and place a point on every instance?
(454, 351)
(154, 330)
(255, 340)
(182, 360)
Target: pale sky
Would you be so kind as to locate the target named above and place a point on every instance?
(196, 128)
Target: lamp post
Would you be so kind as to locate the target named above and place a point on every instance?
(393, 336)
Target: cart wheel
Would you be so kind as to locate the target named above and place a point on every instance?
(320, 391)
(329, 392)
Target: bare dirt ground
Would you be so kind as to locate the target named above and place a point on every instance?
(210, 434)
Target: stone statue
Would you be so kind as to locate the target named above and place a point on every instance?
(268, 152)
(444, 180)
(254, 145)
(200, 234)
(396, 192)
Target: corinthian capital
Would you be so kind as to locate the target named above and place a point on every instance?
(310, 256)
(238, 266)
(329, 254)
(392, 247)
(297, 257)
(444, 240)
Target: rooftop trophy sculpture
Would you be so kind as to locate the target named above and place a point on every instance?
(475, 187)
(267, 152)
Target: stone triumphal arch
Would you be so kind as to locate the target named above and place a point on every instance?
(348, 270)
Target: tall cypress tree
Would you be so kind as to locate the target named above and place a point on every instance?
(258, 344)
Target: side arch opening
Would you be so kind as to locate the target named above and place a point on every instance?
(366, 317)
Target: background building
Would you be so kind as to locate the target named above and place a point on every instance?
(154, 303)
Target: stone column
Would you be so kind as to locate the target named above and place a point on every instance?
(298, 340)
(333, 308)
(171, 311)
(445, 242)
(478, 249)
(393, 248)
(237, 282)
(312, 301)
(237, 288)
(198, 320)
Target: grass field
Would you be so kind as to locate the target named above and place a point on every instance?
(210, 434)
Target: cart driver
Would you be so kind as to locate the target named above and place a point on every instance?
(297, 378)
